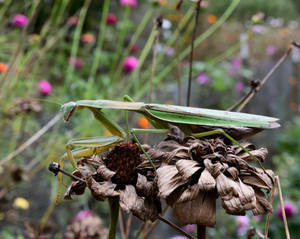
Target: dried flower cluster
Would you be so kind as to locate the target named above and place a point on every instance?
(24, 105)
(191, 174)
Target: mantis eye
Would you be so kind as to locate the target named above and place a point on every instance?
(68, 110)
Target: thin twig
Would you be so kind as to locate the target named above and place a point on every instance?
(31, 140)
(255, 88)
(286, 228)
(156, 41)
(269, 214)
(122, 228)
(178, 75)
(142, 227)
(177, 228)
(192, 53)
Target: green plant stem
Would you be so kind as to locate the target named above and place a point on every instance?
(199, 40)
(75, 44)
(4, 9)
(101, 34)
(114, 213)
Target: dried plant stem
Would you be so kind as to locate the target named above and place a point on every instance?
(257, 86)
(122, 228)
(269, 214)
(178, 73)
(286, 228)
(192, 53)
(114, 213)
(31, 140)
(175, 227)
(128, 225)
(142, 227)
(201, 232)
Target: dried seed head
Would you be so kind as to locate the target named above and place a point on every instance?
(123, 159)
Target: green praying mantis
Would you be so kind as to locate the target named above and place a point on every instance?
(197, 122)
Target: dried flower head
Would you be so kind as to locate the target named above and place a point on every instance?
(24, 105)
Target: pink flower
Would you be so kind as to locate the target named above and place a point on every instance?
(75, 62)
(239, 86)
(190, 228)
(73, 21)
(178, 237)
(289, 209)
(243, 222)
(170, 51)
(20, 20)
(44, 87)
(130, 63)
(82, 215)
(202, 78)
(131, 3)
(88, 38)
(271, 50)
(134, 48)
(111, 19)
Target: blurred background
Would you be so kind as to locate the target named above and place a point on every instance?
(55, 51)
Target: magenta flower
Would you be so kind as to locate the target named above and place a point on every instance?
(75, 62)
(202, 78)
(236, 64)
(289, 209)
(87, 38)
(73, 21)
(239, 86)
(131, 3)
(178, 237)
(20, 20)
(170, 51)
(44, 87)
(190, 228)
(111, 19)
(243, 222)
(130, 63)
(82, 214)
(271, 50)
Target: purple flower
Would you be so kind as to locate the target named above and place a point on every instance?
(202, 78)
(243, 222)
(190, 228)
(131, 3)
(75, 62)
(44, 87)
(271, 50)
(82, 214)
(236, 64)
(170, 51)
(130, 63)
(111, 19)
(20, 20)
(239, 86)
(289, 209)
(259, 29)
(178, 237)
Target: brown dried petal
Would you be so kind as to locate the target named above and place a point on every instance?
(168, 180)
(104, 172)
(263, 206)
(233, 172)
(258, 178)
(143, 186)
(189, 194)
(260, 154)
(143, 208)
(76, 187)
(187, 168)
(213, 169)
(101, 190)
(200, 211)
(226, 186)
(206, 181)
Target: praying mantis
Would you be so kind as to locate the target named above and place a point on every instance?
(197, 122)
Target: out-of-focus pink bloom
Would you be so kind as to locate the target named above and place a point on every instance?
(73, 21)
(111, 19)
(259, 29)
(82, 214)
(75, 62)
(190, 228)
(178, 237)
(170, 51)
(271, 50)
(44, 87)
(289, 209)
(88, 38)
(131, 3)
(20, 20)
(258, 218)
(239, 86)
(134, 48)
(130, 63)
(236, 64)
(243, 222)
(202, 78)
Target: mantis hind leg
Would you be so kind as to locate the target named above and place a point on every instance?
(222, 132)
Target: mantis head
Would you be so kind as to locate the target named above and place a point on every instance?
(68, 110)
